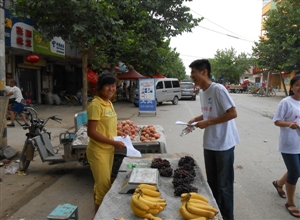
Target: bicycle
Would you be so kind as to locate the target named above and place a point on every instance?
(28, 112)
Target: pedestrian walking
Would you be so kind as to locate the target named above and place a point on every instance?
(287, 117)
(220, 135)
(101, 129)
(17, 105)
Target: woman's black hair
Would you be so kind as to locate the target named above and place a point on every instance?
(292, 82)
(105, 78)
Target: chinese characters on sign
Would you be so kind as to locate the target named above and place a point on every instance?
(147, 96)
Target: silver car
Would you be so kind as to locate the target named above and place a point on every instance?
(188, 90)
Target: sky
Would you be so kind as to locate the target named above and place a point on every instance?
(238, 18)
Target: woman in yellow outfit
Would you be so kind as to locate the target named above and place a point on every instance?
(101, 128)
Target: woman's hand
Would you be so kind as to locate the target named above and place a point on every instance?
(119, 145)
(122, 134)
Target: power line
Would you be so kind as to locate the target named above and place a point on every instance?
(227, 34)
(222, 28)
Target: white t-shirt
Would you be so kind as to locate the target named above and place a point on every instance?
(215, 101)
(17, 94)
(8, 90)
(288, 110)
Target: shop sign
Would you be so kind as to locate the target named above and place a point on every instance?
(56, 47)
(147, 96)
(21, 34)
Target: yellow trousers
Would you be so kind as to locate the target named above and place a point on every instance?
(101, 166)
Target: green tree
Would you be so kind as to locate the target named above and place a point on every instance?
(227, 65)
(279, 48)
(123, 29)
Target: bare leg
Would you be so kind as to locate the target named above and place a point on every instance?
(290, 189)
(23, 117)
(12, 116)
(281, 181)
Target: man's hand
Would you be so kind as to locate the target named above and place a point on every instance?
(202, 124)
(294, 125)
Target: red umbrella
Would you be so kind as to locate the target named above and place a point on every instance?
(158, 75)
(131, 74)
(91, 75)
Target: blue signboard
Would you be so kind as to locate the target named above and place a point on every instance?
(147, 95)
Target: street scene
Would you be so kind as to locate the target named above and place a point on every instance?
(128, 110)
(257, 162)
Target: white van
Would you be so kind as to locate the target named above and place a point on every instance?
(167, 90)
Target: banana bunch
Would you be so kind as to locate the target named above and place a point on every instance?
(146, 202)
(196, 207)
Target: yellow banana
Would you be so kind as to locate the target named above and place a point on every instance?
(121, 218)
(185, 213)
(137, 211)
(199, 218)
(138, 204)
(200, 212)
(198, 201)
(198, 196)
(154, 211)
(150, 192)
(203, 206)
(147, 186)
(137, 190)
(154, 199)
(151, 204)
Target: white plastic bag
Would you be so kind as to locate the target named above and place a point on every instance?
(12, 168)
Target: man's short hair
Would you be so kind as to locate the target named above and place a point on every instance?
(13, 81)
(201, 65)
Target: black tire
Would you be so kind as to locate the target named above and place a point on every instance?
(175, 100)
(74, 100)
(63, 100)
(18, 118)
(136, 105)
(24, 164)
(194, 98)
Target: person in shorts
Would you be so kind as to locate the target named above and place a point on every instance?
(17, 105)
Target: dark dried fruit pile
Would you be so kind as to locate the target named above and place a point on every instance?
(184, 175)
(163, 166)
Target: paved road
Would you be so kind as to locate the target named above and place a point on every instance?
(257, 162)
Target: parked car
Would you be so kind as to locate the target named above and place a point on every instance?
(188, 90)
(166, 89)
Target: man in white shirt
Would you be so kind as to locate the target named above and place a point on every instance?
(17, 105)
(220, 135)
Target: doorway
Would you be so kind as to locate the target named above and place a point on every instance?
(29, 84)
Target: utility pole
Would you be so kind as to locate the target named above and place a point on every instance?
(3, 99)
(2, 49)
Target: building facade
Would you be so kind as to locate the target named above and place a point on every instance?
(59, 66)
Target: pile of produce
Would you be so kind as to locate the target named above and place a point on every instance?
(129, 128)
(196, 206)
(146, 202)
(149, 133)
(163, 166)
(184, 176)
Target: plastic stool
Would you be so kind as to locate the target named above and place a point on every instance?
(65, 211)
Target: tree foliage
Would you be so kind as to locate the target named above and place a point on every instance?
(132, 31)
(227, 65)
(279, 48)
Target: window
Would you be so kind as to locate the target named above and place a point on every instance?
(168, 84)
(159, 85)
(176, 84)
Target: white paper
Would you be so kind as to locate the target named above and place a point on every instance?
(131, 151)
(185, 123)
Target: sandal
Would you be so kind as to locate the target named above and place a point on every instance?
(280, 193)
(292, 211)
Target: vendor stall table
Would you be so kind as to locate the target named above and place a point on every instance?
(116, 205)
